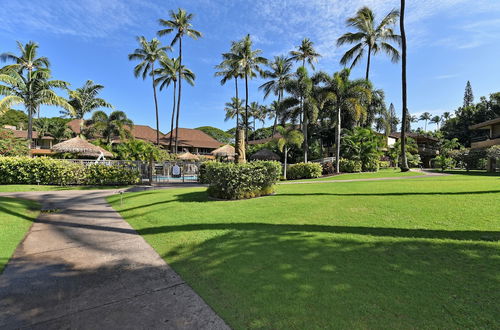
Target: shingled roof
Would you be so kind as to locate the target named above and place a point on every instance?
(193, 138)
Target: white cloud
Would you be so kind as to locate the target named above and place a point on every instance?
(446, 76)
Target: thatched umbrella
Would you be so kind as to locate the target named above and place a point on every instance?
(225, 151)
(79, 146)
(188, 156)
(265, 154)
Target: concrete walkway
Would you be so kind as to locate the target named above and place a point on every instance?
(84, 267)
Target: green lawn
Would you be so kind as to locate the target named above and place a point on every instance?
(382, 173)
(16, 217)
(421, 253)
(30, 187)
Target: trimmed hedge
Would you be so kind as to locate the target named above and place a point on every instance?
(48, 171)
(384, 164)
(238, 181)
(349, 166)
(304, 171)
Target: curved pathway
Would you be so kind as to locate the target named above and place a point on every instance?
(82, 266)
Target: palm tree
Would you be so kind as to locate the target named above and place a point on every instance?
(180, 22)
(148, 53)
(426, 116)
(60, 130)
(348, 96)
(32, 90)
(167, 74)
(42, 126)
(85, 100)
(369, 36)
(257, 112)
(289, 138)
(232, 109)
(404, 161)
(108, 127)
(446, 115)
(436, 120)
(280, 73)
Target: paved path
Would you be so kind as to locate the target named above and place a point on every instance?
(84, 267)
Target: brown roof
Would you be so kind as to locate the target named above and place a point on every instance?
(74, 125)
(262, 141)
(265, 154)
(22, 134)
(193, 138)
(415, 136)
(485, 124)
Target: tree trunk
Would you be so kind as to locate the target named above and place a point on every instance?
(306, 141)
(172, 120)
(337, 152)
(368, 62)
(30, 127)
(178, 98)
(237, 105)
(156, 105)
(284, 168)
(404, 161)
(246, 108)
(276, 114)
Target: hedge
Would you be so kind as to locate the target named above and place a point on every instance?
(349, 166)
(238, 181)
(48, 171)
(304, 171)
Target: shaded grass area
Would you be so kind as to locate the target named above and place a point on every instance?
(420, 253)
(16, 217)
(29, 187)
(382, 173)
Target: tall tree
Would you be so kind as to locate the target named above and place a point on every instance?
(426, 116)
(289, 138)
(232, 109)
(468, 95)
(370, 37)
(349, 96)
(85, 100)
(393, 119)
(280, 72)
(116, 124)
(180, 24)
(148, 53)
(436, 120)
(404, 161)
(167, 74)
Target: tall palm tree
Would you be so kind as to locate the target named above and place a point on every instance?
(348, 96)
(256, 111)
(32, 90)
(167, 74)
(436, 120)
(426, 116)
(180, 24)
(148, 53)
(85, 100)
(280, 72)
(404, 161)
(370, 37)
(232, 108)
(116, 124)
(289, 138)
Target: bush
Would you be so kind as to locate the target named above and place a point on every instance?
(469, 158)
(304, 171)
(370, 165)
(23, 170)
(328, 168)
(384, 164)
(349, 166)
(238, 181)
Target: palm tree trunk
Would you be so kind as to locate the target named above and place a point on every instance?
(368, 62)
(178, 98)
(276, 114)
(172, 120)
(284, 168)
(337, 152)
(30, 127)
(404, 161)
(306, 141)
(246, 108)
(237, 104)
(156, 105)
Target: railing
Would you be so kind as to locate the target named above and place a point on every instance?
(324, 160)
(479, 138)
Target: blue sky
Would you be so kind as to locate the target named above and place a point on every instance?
(449, 42)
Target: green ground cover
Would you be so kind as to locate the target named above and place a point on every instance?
(382, 173)
(420, 253)
(16, 217)
(30, 187)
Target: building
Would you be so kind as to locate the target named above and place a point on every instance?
(41, 144)
(193, 140)
(428, 147)
(491, 137)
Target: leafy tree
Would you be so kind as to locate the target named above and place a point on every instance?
(387, 121)
(289, 138)
(14, 118)
(148, 53)
(364, 145)
(426, 116)
(59, 129)
(370, 37)
(404, 121)
(232, 108)
(180, 24)
(12, 146)
(468, 95)
(412, 156)
(167, 74)
(135, 149)
(84, 100)
(444, 158)
(436, 120)
(217, 134)
(108, 127)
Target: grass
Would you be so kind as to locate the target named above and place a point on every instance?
(16, 217)
(382, 173)
(29, 187)
(421, 253)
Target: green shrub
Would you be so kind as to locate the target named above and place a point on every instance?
(303, 171)
(384, 164)
(349, 166)
(238, 181)
(48, 171)
(328, 168)
(370, 165)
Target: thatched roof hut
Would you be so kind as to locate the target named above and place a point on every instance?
(188, 156)
(226, 151)
(79, 146)
(265, 154)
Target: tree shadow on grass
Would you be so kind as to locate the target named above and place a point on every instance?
(440, 193)
(278, 277)
(24, 204)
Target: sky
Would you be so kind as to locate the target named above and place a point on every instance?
(449, 42)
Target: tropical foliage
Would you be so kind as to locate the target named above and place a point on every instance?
(108, 127)
(12, 146)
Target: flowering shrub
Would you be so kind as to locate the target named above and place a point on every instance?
(100, 174)
(304, 171)
(238, 181)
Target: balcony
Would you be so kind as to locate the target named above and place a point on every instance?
(484, 141)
